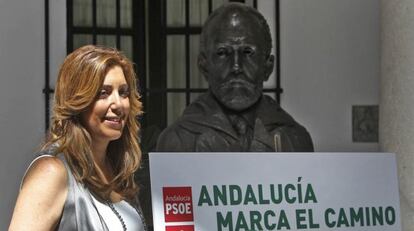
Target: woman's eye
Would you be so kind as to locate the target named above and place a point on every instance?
(103, 94)
(124, 93)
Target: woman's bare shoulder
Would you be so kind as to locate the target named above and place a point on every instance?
(46, 170)
(42, 195)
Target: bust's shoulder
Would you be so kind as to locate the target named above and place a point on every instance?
(172, 138)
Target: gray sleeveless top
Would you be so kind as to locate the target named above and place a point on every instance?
(80, 212)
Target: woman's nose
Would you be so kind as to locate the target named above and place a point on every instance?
(116, 101)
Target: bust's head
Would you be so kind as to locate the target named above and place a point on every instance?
(235, 55)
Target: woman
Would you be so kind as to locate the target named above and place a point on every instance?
(83, 178)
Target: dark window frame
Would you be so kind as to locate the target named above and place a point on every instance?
(136, 32)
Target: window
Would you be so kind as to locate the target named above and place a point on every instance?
(112, 23)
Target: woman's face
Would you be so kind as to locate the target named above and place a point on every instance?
(107, 116)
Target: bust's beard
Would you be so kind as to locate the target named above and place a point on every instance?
(238, 98)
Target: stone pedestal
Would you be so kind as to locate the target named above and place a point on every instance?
(397, 96)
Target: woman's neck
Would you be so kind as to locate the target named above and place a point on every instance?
(99, 154)
(103, 168)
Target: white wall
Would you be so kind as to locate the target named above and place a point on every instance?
(21, 98)
(22, 78)
(329, 62)
(57, 31)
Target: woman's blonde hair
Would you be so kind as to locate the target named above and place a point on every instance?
(79, 82)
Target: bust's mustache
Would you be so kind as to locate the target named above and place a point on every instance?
(238, 81)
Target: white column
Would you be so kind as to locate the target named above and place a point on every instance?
(397, 96)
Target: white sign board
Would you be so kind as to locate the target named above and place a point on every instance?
(275, 191)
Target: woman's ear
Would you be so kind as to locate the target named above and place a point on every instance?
(270, 63)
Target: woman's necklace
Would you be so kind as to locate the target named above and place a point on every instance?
(111, 205)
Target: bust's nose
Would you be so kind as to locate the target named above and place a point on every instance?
(236, 67)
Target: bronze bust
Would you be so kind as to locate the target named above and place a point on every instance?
(234, 115)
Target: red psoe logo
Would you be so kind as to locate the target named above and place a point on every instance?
(180, 228)
(178, 205)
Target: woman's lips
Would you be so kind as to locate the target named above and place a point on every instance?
(113, 122)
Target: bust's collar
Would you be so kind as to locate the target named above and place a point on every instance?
(208, 112)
